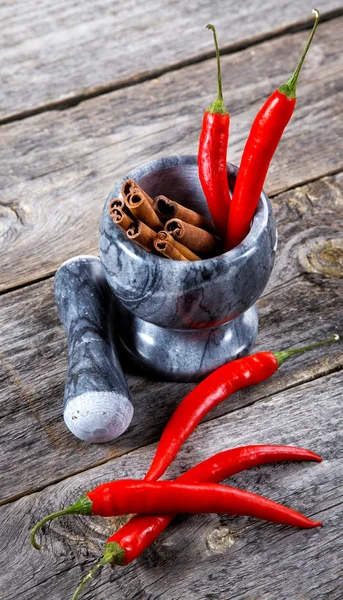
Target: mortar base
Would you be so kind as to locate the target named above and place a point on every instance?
(186, 354)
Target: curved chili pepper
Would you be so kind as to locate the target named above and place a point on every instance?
(146, 497)
(220, 384)
(264, 136)
(212, 155)
(102, 500)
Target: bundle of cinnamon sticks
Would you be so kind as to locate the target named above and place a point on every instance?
(163, 226)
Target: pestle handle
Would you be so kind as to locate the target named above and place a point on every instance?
(97, 406)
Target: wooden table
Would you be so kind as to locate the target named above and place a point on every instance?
(88, 91)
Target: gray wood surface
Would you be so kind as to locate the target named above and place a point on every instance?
(143, 75)
(203, 557)
(55, 52)
(58, 168)
(296, 308)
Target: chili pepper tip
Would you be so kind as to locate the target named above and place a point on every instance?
(317, 524)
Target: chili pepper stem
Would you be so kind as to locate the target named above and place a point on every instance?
(114, 554)
(289, 88)
(83, 506)
(218, 106)
(285, 354)
(89, 576)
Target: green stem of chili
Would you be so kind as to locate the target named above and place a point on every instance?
(285, 354)
(89, 576)
(289, 88)
(113, 554)
(218, 106)
(83, 506)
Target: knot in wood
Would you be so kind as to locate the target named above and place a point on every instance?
(323, 257)
(8, 219)
(219, 540)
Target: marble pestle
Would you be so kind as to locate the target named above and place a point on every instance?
(97, 406)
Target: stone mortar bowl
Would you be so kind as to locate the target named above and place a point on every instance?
(182, 320)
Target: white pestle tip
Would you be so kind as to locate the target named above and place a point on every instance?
(98, 417)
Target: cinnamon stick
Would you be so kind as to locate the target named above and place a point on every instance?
(196, 239)
(121, 218)
(129, 185)
(116, 203)
(168, 209)
(164, 236)
(141, 209)
(168, 249)
(142, 234)
(126, 188)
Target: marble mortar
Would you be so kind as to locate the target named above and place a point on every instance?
(182, 320)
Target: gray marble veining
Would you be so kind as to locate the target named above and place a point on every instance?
(97, 406)
(184, 319)
(188, 354)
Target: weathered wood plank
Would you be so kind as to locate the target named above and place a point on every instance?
(65, 50)
(57, 168)
(297, 308)
(203, 557)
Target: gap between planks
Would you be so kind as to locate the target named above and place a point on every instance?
(233, 48)
(287, 387)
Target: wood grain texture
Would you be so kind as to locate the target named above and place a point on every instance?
(53, 51)
(297, 308)
(212, 557)
(56, 169)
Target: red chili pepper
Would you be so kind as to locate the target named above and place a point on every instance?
(265, 134)
(220, 384)
(148, 497)
(145, 497)
(141, 531)
(212, 155)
